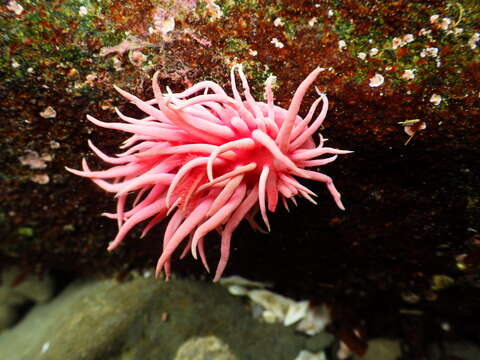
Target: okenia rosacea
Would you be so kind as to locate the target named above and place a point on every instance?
(210, 160)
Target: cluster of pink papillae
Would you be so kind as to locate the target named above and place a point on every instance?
(208, 160)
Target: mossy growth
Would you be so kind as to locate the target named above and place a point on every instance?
(229, 6)
(25, 231)
(400, 40)
(236, 46)
(257, 74)
(51, 36)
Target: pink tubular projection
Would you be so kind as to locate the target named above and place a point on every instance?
(210, 160)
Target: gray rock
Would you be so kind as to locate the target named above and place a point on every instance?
(382, 349)
(30, 289)
(8, 315)
(320, 341)
(204, 348)
(145, 319)
(307, 355)
(461, 349)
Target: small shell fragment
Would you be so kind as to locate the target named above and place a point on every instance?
(315, 320)
(48, 113)
(238, 280)
(296, 311)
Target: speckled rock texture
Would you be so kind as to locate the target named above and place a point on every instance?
(204, 348)
(403, 82)
(148, 319)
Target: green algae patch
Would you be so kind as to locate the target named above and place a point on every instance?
(25, 231)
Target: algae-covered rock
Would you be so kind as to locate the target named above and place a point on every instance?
(146, 319)
(18, 289)
(205, 348)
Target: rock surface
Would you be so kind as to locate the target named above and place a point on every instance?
(204, 348)
(382, 349)
(148, 319)
(17, 289)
